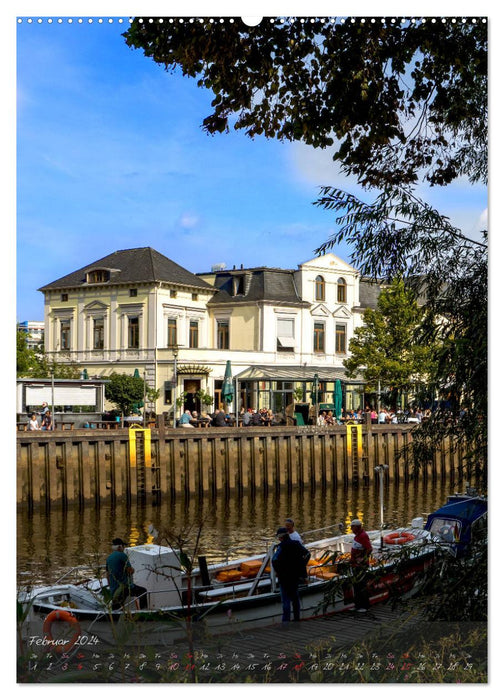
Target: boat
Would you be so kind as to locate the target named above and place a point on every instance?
(460, 521)
(244, 593)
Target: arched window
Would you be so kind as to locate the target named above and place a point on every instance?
(342, 290)
(319, 288)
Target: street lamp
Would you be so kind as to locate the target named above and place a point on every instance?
(316, 388)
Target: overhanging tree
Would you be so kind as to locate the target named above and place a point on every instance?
(399, 103)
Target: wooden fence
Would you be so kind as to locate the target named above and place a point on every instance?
(99, 466)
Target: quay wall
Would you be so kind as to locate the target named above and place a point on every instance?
(95, 466)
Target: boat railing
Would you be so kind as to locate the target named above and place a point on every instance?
(338, 527)
(85, 571)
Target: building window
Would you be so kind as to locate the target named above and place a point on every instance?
(238, 285)
(318, 337)
(98, 333)
(319, 288)
(223, 335)
(65, 334)
(172, 332)
(133, 332)
(173, 293)
(285, 335)
(97, 276)
(168, 393)
(133, 292)
(194, 296)
(64, 296)
(340, 339)
(342, 290)
(193, 334)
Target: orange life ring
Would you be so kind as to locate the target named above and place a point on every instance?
(61, 616)
(398, 538)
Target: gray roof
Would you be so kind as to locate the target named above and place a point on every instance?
(369, 291)
(132, 266)
(260, 284)
(293, 373)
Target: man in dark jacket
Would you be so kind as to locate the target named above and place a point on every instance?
(289, 562)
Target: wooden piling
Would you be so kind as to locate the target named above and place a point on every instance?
(94, 466)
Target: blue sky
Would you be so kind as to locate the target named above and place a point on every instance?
(111, 155)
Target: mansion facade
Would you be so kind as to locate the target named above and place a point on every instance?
(138, 312)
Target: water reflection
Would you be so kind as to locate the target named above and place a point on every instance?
(50, 543)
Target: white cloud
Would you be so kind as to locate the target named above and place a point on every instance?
(188, 221)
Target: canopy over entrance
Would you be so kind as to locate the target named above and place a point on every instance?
(293, 374)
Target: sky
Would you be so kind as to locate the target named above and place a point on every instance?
(111, 155)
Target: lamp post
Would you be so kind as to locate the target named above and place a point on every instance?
(175, 351)
(52, 397)
(316, 387)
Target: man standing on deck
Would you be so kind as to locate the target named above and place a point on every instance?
(289, 524)
(359, 561)
(289, 562)
(119, 576)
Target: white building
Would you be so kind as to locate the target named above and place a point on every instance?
(138, 310)
(34, 332)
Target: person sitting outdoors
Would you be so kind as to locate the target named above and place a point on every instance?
(185, 420)
(256, 419)
(219, 420)
(247, 416)
(382, 416)
(33, 422)
(330, 419)
(47, 423)
(321, 420)
(206, 419)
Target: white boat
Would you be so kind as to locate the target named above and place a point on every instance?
(230, 596)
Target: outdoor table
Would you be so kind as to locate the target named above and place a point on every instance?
(22, 426)
(64, 424)
(108, 424)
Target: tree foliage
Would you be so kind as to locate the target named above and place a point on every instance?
(33, 362)
(124, 390)
(362, 89)
(386, 348)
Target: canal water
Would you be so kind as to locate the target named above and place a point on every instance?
(51, 542)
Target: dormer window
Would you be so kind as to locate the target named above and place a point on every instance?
(238, 285)
(97, 276)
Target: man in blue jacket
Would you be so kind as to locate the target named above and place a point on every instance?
(289, 562)
(119, 575)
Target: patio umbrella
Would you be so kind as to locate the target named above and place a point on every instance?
(338, 399)
(136, 374)
(227, 391)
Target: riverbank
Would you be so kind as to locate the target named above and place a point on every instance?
(101, 466)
